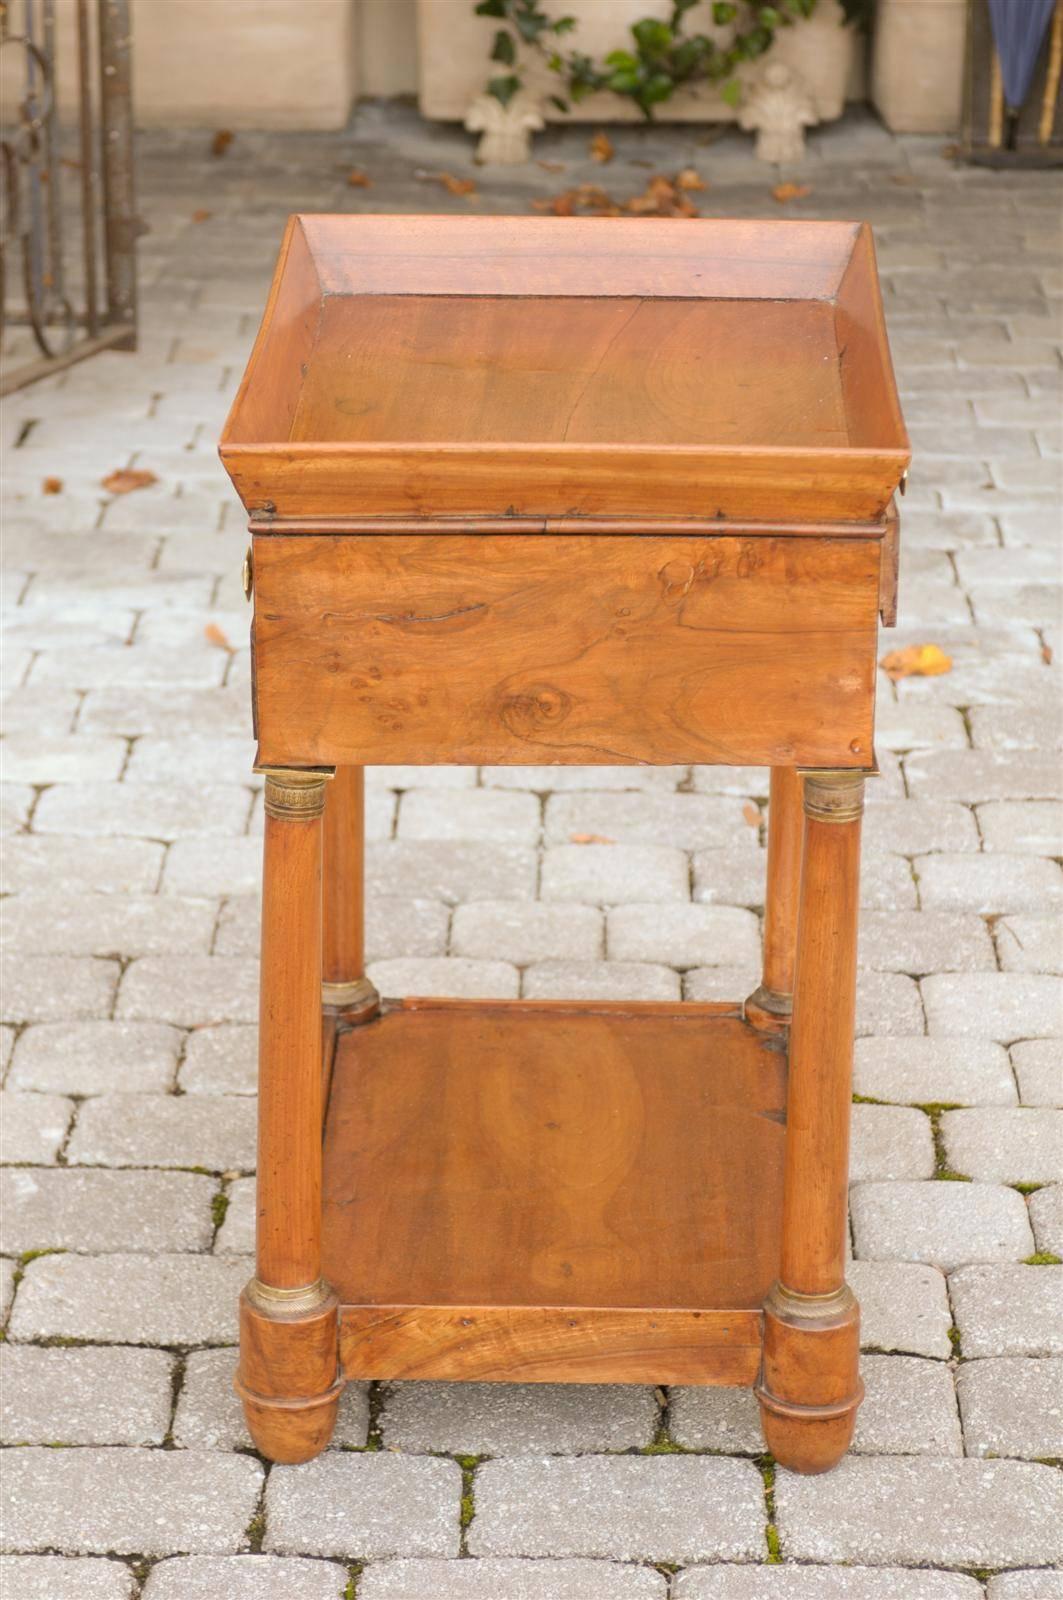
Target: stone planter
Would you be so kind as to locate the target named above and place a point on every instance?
(801, 81)
(917, 64)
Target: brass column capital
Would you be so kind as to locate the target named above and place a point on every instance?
(295, 794)
(834, 795)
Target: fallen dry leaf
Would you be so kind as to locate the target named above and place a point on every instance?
(790, 191)
(52, 486)
(126, 479)
(601, 148)
(202, 215)
(950, 151)
(221, 141)
(551, 166)
(357, 179)
(449, 182)
(690, 178)
(589, 838)
(916, 661)
(214, 635)
(752, 814)
(1046, 654)
(905, 180)
(660, 198)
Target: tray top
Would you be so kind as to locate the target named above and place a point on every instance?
(435, 368)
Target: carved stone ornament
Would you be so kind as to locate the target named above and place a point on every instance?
(505, 131)
(778, 107)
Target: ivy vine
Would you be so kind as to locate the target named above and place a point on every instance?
(663, 56)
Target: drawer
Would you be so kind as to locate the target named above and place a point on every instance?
(565, 648)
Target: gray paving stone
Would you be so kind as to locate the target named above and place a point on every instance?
(454, 976)
(721, 983)
(203, 867)
(1013, 1145)
(98, 1212)
(994, 1005)
(65, 1578)
(221, 1060)
(734, 876)
(159, 1130)
(245, 1578)
(451, 870)
(209, 1415)
(890, 1142)
(1012, 1407)
(16, 802)
(1038, 1067)
(909, 1408)
(684, 821)
(164, 1299)
(506, 930)
(569, 779)
(87, 1058)
(904, 1307)
(135, 1502)
(7, 1284)
(920, 1071)
(400, 777)
(33, 1126)
(973, 776)
(507, 817)
(1008, 1310)
(916, 827)
(1030, 944)
(1032, 827)
(1041, 1585)
(113, 866)
(143, 810)
(515, 1579)
(919, 1512)
(496, 1419)
(887, 1003)
(599, 980)
(198, 991)
(943, 1224)
(363, 1506)
(84, 1396)
(169, 710)
(194, 758)
(607, 874)
(683, 935)
(926, 941)
(665, 1508)
(75, 758)
(108, 925)
(823, 1583)
(56, 988)
(7, 1044)
(716, 1418)
(988, 884)
(1046, 1217)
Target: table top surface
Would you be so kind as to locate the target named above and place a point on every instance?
(440, 367)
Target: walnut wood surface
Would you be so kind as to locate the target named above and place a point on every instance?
(565, 649)
(785, 832)
(555, 367)
(550, 1344)
(513, 1154)
(343, 885)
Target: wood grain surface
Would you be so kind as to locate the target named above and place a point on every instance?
(506, 1154)
(565, 649)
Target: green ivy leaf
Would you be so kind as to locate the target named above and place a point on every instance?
(768, 17)
(660, 87)
(624, 82)
(652, 37)
(724, 12)
(531, 23)
(732, 91)
(504, 49)
(564, 24)
(556, 100)
(504, 89)
(622, 61)
(491, 8)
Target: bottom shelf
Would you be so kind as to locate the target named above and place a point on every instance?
(554, 1192)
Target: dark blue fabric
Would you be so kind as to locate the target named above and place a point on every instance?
(1019, 27)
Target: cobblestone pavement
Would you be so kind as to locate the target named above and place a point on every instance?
(129, 991)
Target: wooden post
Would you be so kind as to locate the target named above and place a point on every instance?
(345, 987)
(770, 1006)
(810, 1387)
(288, 1372)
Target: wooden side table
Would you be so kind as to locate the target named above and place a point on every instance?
(561, 491)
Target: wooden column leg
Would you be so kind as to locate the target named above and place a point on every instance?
(288, 1376)
(345, 987)
(770, 1006)
(810, 1387)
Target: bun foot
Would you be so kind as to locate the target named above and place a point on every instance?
(290, 1430)
(810, 1388)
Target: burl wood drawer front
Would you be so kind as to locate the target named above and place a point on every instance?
(487, 648)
